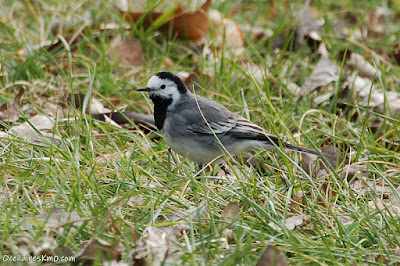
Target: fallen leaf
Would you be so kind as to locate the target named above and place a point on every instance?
(127, 52)
(306, 23)
(185, 217)
(257, 32)
(294, 221)
(57, 219)
(349, 171)
(231, 211)
(9, 111)
(387, 103)
(296, 200)
(361, 85)
(272, 256)
(158, 247)
(384, 208)
(121, 5)
(394, 198)
(98, 249)
(323, 74)
(364, 185)
(357, 63)
(312, 163)
(290, 223)
(193, 79)
(397, 252)
(38, 129)
(184, 25)
(376, 21)
(226, 32)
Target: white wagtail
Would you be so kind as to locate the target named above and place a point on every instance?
(202, 129)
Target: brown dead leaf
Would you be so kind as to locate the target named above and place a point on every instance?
(313, 165)
(385, 208)
(184, 217)
(397, 252)
(38, 129)
(96, 249)
(290, 223)
(158, 247)
(231, 211)
(128, 52)
(387, 103)
(257, 32)
(185, 25)
(394, 198)
(357, 62)
(226, 32)
(323, 74)
(9, 111)
(296, 200)
(376, 21)
(194, 78)
(364, 185)
(272, 256)
(306, 23)
(349, 171)
(58, 218)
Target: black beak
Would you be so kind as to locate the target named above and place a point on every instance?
(144, 89)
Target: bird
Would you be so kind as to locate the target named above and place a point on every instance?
(202, 129)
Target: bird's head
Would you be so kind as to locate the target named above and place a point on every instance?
(165, 85)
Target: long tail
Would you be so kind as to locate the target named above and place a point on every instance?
(275, 142)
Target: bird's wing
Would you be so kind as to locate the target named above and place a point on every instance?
(213, 118)
(246, 129)
(208, 118)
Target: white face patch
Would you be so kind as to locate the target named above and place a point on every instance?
(164, 88)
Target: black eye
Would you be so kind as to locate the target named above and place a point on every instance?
(162, 87)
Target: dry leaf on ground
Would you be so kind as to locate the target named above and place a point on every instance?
(358, 63)
(185, 25)
(257, 32)
(323, 74)
(385, 208)
(394, 198)
(272, 256)
(127, 52)
(231, 211)
(186, 217)
(9, 111)
(364, 185)
(226, 30)
(158, 247)
(38, 129)
(296, 200)
(290, 223)
(57, 219)
(96, 249)
(376, 21)
(306, 28)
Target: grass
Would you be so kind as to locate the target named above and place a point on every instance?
(120, 181)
